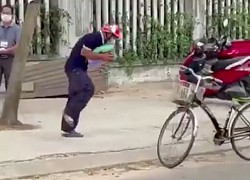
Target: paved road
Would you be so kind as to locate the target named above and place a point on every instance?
(239, 171)
(216, 167)
(111, 130)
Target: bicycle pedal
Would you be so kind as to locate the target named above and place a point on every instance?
(219, 141)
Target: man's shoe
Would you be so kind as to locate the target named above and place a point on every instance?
(73, 134)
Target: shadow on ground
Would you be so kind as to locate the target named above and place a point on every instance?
(23, 127)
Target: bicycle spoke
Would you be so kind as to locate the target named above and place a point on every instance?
(240, 133)
(179, 125)
(245, 120)
(185, 128)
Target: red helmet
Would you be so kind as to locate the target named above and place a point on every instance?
(113, 29)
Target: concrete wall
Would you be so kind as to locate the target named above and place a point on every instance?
(117, 75)
(2, 84)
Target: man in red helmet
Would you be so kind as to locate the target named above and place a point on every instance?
(81, 88)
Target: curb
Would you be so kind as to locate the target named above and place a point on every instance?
(71, 164)
(81, 162)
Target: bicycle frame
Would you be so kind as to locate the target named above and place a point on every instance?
(212, 117)
(185, 105)
(230, 117)
(206, 109)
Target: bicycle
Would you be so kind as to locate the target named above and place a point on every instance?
(194, 98)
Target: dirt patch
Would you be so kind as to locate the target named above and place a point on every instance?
(114, 171)
(122, 168)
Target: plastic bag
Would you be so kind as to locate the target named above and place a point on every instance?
(102, 49)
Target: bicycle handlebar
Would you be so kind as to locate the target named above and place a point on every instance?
(201, 77)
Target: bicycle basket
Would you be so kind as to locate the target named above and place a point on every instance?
(182, 92)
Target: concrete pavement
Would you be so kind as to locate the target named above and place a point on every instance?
(231, 171)
(216, 166)
(119, 127)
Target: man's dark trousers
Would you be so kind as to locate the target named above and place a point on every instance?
(5, 69)
(81, 89)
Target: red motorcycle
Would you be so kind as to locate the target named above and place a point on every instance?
(234, 49)
(224, 60)
(225, 48)
(228, 49)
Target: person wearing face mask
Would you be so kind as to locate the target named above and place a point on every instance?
(9, 38)
(81, 88)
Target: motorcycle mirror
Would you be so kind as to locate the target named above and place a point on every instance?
(225, 22)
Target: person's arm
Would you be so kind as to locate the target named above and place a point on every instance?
(17, 35)
(89, 54)
(87, 51)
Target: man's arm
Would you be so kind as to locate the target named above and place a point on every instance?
(89, 54)
(17, 35)
(87, 51)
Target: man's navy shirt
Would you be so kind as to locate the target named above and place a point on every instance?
(89, 41)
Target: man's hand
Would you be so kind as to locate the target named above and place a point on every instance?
(107, 57)
(6, 51)
(3, 51)
(89, 54)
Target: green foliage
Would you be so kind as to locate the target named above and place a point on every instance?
(238, 17)
(162, 44)
(48, 36)
(157, 43)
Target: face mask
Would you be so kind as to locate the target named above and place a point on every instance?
(6, 17)
(110, 38)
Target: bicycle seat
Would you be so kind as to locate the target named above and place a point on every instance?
(223, 63)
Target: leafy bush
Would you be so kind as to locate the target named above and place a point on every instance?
(238, 18)
(51, 32)
(160, 44)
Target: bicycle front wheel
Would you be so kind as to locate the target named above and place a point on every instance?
(240, 133)
(177, 137)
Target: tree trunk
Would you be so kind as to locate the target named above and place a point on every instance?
(11, 103)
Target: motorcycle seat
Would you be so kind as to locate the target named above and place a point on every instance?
(223, 63)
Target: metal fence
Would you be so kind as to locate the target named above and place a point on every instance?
(237, 11)
(130, 15)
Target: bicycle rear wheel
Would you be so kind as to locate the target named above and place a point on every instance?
(240, 133)
(177, 136)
